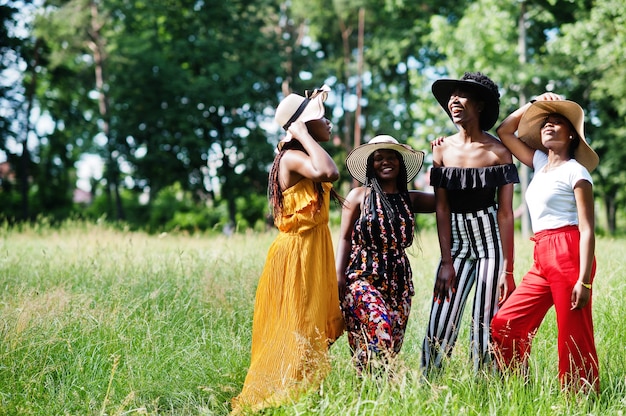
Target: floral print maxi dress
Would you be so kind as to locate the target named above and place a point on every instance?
(379, 285)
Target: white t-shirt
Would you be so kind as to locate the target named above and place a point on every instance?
(550, 195)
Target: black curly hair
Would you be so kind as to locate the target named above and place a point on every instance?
(485, 80)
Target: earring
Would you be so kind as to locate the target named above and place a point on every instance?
(571, 137)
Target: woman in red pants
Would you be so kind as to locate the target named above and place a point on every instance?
(560, 202)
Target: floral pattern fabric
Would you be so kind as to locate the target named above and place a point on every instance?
(379, 285)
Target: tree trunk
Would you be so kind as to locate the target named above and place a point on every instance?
(99, 55)
(227, 191)
(25, 158)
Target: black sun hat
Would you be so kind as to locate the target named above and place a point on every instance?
(443, 88)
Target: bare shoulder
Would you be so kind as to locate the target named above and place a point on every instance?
(356, 194)
(501, 152)
(294, 156)
(352, 203)
(439, 147)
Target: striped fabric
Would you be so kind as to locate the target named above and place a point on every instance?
(477, 255)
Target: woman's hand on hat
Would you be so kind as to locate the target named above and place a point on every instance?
(298, 129)
(548, 96)
(294, 131)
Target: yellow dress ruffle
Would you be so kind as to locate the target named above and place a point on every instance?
(296, 311)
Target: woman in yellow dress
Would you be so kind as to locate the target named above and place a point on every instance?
(296, 312)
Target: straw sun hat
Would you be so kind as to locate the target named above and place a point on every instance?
(356, 161)
(529, 129)
(296, 107)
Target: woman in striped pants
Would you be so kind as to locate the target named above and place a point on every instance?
(473, 176)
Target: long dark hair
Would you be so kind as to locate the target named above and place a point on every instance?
(371, 181)
(274, 191)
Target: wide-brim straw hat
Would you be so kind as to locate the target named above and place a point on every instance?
(295, 107)
(443, 88)
(356, 162)
(529, 129)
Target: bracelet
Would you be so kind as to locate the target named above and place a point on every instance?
(587, 285)
(505, 272)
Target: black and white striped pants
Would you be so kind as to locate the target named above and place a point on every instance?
(477, 257)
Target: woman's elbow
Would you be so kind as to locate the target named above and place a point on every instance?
(330, 175)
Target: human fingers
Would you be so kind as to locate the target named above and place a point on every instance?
(504, 294)
(440, 293)
(549, 96)
(450, 288)
(575, 300)
(297, 128)
(438, 141)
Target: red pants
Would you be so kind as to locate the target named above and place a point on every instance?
(549, 282)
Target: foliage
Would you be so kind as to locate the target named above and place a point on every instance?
(182, 92)
(593, 50)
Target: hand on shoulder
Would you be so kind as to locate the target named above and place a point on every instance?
(438, 147)
(437, 142)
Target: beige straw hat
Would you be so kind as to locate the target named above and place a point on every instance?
(356, 162)
(296, 107)
(529, 129)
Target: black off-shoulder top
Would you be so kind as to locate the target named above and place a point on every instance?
(472, 189)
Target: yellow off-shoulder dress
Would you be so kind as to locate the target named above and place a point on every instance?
(296, 311)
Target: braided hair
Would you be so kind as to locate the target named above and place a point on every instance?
(371, 181)
(275, 192)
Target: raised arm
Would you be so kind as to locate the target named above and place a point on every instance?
(507, 133)
(316, 164)
(508, 128)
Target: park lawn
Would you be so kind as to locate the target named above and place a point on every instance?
(96, 320)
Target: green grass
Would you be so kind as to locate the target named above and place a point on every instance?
(97, 321)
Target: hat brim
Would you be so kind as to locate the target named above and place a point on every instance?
(314, 109)
(356, 161)
(443, 88)
(529, 129)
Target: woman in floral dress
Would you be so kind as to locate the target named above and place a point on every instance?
(373, 270)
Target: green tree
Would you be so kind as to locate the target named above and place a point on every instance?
(70, 93)
(393, 70)
(190, 83)
(181, 93)
(590, 55)
(16, 104)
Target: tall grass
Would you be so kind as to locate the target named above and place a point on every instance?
(96, 321)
